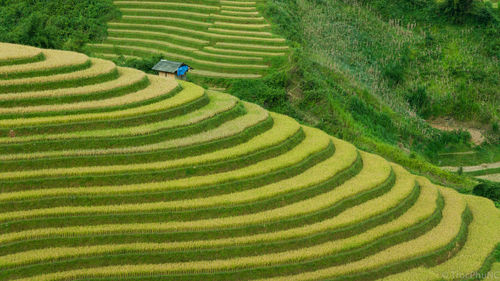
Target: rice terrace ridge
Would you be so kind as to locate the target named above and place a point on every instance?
(108, 173)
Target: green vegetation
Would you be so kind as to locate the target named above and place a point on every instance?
(61, 24)
(164, 180)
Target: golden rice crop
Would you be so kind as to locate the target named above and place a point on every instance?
(53, 59)
(482, 239)
(265, 260)
(127, 76)
(189, 94)
(149, 92)
(14, 52)
(438, 237)
(227, 129)
(315, 141)
(302, 207)
(402, 188)
(263, 141)
(416, 274)
(422, 209)
(99, 67)
(218, 104)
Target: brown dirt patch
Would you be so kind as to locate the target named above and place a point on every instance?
(448, 124)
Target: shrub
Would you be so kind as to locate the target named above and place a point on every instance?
(494, 127)
(462, 11)
(419, 100)
(269, 93)
(488, 190)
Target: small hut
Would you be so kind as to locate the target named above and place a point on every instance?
(172, 69)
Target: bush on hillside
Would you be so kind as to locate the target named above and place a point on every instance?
(462, 11)
(57, 24)
(488, 189)
(419, 100)
(268, 92)
(145, 64)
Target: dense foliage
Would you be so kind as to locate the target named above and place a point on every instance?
(59, 24)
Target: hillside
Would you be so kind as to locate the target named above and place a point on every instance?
(108, 173)
(220, 39)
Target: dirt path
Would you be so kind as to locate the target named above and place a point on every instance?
(473, 168)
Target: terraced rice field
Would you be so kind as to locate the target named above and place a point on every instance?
(218, 38)
(487, 171)
(111, 174)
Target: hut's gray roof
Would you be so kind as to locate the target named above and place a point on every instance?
(167, 66)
